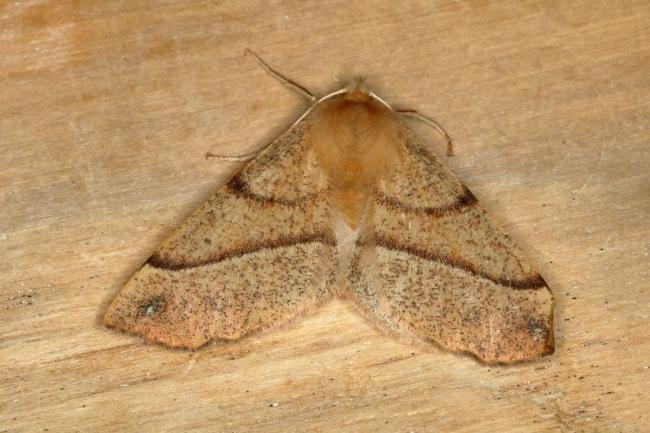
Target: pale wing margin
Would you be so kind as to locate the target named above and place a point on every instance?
(256, 254)
(430, 265)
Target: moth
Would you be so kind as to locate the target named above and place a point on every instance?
(348, 202)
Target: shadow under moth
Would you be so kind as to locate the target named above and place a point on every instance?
(348, 203)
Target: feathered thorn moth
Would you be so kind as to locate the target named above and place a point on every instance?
(347, 202)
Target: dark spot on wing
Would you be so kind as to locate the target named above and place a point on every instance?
(536, 328)
(154, 305)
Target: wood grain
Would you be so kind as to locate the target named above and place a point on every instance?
(106, 111)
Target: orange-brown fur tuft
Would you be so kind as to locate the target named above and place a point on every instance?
(354, 138)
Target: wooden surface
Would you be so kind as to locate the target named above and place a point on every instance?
(106, 111)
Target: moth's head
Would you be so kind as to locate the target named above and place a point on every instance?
(357, 90)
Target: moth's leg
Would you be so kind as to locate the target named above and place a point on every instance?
(237, 158)
(284, 80)
(287, 82)
(429, 121)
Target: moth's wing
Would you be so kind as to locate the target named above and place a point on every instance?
(258, 253)
(430, 265)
